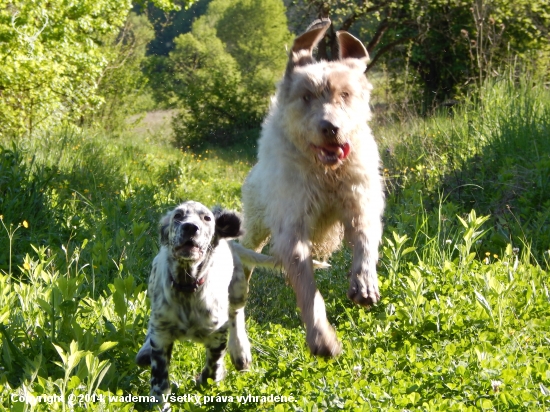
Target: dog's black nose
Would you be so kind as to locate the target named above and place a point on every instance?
(328, 129)
(189, 229)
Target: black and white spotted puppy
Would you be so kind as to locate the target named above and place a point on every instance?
(198, 292)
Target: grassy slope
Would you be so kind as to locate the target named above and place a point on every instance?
(463, 323)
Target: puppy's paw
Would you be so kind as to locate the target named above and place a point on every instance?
(242, 362)
(239, 352)
(143, 357)
(364, 293)
(216, 375)
(322, 341)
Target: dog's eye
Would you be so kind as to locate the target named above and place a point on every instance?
(345, 95)
(307, 97)
(207, 218)
(178, 216)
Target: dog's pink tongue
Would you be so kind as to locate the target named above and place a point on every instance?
(342, 151)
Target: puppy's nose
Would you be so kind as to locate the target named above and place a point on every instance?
(189, 229)
(328, 129)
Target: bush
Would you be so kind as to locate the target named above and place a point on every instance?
(221, 74)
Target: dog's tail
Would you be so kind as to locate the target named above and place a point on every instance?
(251, 258)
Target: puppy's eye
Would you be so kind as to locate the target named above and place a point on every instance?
(178, 216)
(306, 97)
(345, 95)
(207, 218)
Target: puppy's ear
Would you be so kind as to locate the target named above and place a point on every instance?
(164, 228)
(228, 223)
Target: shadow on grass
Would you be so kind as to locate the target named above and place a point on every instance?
(510, 179)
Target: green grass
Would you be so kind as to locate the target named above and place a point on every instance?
(463, 324)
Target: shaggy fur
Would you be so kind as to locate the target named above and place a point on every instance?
(317, 180)
(198, 292)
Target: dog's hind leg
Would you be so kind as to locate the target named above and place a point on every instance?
(215, 351)
(256, 233)
(161, 352)
(255, 241)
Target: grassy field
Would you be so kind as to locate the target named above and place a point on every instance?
(464, 321)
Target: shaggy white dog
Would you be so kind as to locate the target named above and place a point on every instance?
(317, 179)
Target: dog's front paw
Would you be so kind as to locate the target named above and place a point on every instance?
(159, 403)
(216, 373)
(239, 350)
(364, 293)
(241, 356)
(322, 341)
(143, 357)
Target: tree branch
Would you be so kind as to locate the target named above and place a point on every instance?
(386, 49)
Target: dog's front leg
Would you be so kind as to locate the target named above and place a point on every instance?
(215, 351)
(239, 345)
(364, 238)
(295, 253)
(161, 352)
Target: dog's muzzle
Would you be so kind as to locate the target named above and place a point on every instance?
(187, 246)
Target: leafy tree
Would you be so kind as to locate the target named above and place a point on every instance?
(221, 74)
(448, 43)
(52, 59)
(122, 84)
(170, 24)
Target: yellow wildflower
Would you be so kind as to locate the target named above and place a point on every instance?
(25, 224)
(26, 266)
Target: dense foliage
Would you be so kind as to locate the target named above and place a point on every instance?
(436, 49)
(53, 56)
(221, 74)
(462, 325)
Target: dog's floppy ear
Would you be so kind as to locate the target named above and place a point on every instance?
(302, 49)
(351, 47)
(228, 223)
(164, 228)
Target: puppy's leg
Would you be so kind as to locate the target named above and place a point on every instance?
(363, 282)
(161, 352)
(215, 351)
(143, 357)
(295, 254)
(239, 345)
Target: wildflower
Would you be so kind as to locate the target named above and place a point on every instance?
(487, 254)
(1, 217)
(496, 385)
(25, 224)
(495, 256)
(26, 266)
(448, 241)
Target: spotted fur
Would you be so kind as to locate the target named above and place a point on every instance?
(198, 292)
